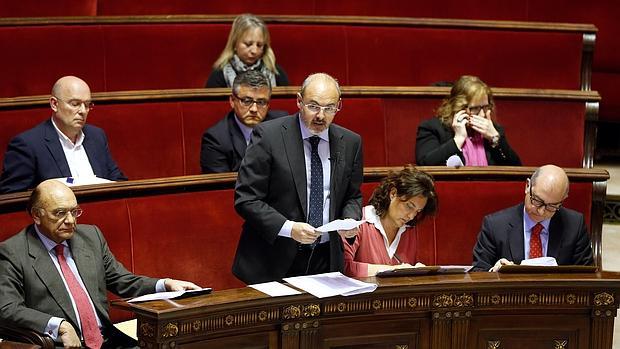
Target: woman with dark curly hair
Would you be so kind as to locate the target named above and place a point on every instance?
(388, 238)
(464, 128)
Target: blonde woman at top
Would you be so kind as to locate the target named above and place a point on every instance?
(464, 127)
(248, 48)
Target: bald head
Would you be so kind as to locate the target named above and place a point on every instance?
(320, 80)
(551, 179)
(70, 103)
(52, 205)
(67, 85)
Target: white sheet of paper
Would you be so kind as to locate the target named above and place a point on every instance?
(340, 224)
(540, 261)
(164, 295)
(330, 284)
(77, 181)
(274, 289)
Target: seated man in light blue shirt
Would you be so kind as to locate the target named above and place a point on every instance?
(540, 227)
(54, 275)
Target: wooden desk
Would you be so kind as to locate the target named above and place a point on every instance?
(477, 310)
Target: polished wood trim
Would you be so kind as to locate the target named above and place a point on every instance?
(298, 19)
(217, 181)
(442, 306)
(290, 91)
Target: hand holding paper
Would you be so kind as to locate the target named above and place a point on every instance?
(340, 224)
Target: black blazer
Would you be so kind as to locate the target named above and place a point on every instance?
(271, 188)
(36, 155)
(435, 144)
(223, 145)
(216, 78)
(501, 236)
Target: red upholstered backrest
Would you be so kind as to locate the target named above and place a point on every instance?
(162, 139)
(37, 8)
(165, 56)
(422, 56)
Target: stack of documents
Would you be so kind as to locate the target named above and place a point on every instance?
(319, 285)
(330, 284)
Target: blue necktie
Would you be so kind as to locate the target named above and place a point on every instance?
(315, 209)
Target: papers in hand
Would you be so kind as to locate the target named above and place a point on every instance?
(274, 289)
(541, 261)
(330, 284)
(340, 224)
(170, 295)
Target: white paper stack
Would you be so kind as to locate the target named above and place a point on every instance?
(330, 284)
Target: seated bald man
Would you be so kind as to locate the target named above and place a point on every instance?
(61, 146)
(539, 227)
(54, 275)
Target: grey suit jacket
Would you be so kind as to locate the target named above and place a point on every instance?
(32, 289)
(271, 188)
(501, 236)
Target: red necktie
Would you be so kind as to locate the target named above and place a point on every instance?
(535, 244)
(90, 329)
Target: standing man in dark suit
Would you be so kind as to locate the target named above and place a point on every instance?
(224, 144)
(54, 275)
(298, 173)
(63, 146)
(537, 228)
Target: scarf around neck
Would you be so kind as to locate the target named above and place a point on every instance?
(473, 151)
(236, 66)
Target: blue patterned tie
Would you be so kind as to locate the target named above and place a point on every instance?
(315, 210)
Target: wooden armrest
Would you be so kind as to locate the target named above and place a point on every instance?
(23, 335)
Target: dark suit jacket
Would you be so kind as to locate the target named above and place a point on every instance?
(501, 236)
(435, 144)
(36, 155)
(32, 289)
(271, 188)
(223, 145)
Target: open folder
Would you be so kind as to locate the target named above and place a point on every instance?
(427, 270)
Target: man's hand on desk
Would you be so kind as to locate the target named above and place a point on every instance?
(499, 263)
(179, 285)
(304, 233)
(68, 336)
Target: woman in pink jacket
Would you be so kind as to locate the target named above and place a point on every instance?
(388, 237)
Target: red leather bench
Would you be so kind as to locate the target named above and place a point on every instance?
(159, 136)
(170, 53)
(187, 228)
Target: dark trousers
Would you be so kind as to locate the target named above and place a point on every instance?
(310, 261)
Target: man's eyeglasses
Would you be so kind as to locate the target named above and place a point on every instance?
(330, 110)
(76, 103)
(538, 203)
(248, 102)
(475, 109)
(62, 213)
